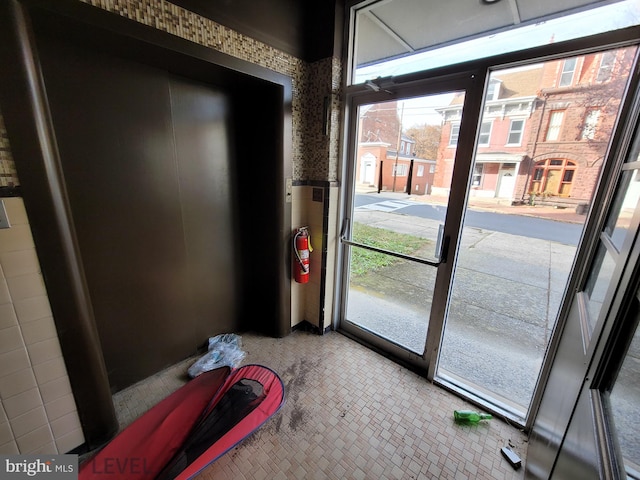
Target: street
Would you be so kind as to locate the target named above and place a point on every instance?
(514, 224)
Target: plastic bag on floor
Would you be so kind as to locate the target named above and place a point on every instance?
(224, 350)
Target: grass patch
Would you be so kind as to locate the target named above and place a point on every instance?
(364, 261)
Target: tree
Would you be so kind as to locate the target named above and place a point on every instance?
(427, 139)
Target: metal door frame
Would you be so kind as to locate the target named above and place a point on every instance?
(419, 83)
(470, 81)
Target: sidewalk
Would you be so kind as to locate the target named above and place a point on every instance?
(503, 301)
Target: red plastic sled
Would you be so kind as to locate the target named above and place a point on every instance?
(192, 427)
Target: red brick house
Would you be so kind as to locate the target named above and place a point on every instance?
(578, 101)
(385, 159)
(545, 130)
(501, 159)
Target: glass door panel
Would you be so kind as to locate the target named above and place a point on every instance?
(623, 401)
(392, 301)
(514, 262)
(397, 219)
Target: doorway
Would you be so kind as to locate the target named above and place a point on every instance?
(506, 184)
(396, 242)
(445, 281)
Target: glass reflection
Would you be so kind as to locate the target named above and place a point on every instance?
(624, 400)
(623, 207)
(598, 283)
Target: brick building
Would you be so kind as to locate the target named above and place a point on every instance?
(578, 101)
(544, 131)
(501, 158)
(386, 158)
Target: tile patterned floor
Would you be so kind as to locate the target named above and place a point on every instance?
(349, 414)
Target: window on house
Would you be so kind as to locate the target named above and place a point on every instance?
(402, 147)
(567, 179)
(476, 179)
(455, 132)
(420, 171)
(485, 133)
(606, 66)
(432, 169)
(553, 177)
(515, 132)
(568, 69)
(400, 170)
(493, 90)
(590, 124)
(536, 180)
(555, 122)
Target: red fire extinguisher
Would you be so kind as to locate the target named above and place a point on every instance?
(302, 248)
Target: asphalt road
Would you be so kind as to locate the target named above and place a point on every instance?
(523, 225)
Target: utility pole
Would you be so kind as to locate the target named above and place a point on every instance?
(395, 166)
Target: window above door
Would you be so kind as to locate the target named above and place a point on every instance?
(394, 37)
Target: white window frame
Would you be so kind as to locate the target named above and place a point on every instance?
(493, 89)
(567, 74)
(590, 124)
(400, 170)
(607, 62)
(420, 172)
(555, 123)
(513, 131)
(488, 123)
(476, 177)
(454, 134)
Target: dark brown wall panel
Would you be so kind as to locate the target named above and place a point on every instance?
(145, 159)
(204, 148)
(260, 180)
(98, 154)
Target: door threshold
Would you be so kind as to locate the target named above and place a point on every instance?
(503, 410)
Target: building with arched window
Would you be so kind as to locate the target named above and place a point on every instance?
(544, 130)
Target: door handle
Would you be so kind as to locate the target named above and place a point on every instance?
(444, 249)
(345, 226)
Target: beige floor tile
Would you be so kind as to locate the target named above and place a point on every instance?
(349, 413)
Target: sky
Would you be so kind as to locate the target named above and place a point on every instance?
(420, 111)
(598, 20)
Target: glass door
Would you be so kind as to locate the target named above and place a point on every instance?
(465, 210)
(398, 223)
(517, 247)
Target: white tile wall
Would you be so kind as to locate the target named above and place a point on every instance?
(37, 410)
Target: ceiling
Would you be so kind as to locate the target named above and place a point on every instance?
(303, 29)
(393, 28)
